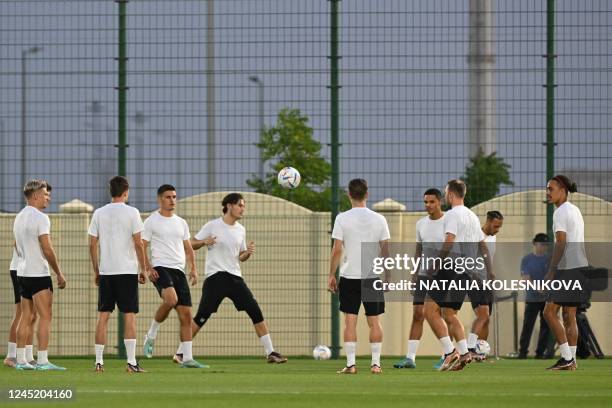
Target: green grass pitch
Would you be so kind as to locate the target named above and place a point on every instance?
(251, 382)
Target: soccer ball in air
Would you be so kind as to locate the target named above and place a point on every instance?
(483, 348)
(289, 177)
(321, 352)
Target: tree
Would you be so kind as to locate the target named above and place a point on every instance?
(290, 143)
(483, 177)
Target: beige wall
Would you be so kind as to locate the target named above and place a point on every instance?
(287, 276)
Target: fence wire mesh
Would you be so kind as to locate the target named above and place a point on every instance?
(424, 85)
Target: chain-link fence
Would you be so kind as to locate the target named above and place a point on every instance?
(423, 86)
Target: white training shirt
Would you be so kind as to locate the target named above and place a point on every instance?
(230, 241)
(430, 233)
(491, 241)
(465, 226)
(114, 225)
(567, 218)
(355, 227)
(30, 224)
(14, 261)
(166, 235)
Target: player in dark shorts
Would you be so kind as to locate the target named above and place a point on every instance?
(11, 350)
(32, 230)
(482, 300)
(463, 239)
(566, 264)
(225, 239)
(168, 236)
(118, 260)
(352, 229)
(429, 238)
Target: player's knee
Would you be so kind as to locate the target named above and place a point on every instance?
(201, 318)
(350, 323)
(484, 317)
(44, 315)
(565, 315)
(255, 314)
(418, 315)
(374, 323)
(103, 318)
(170, 301)
(550, 314)
(184, 314)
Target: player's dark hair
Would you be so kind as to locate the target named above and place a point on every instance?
(494, 215)
(232, 198)
(457, 187)
(434, 192)
(358, 188)
(568, 185)
(163, 188)
(33, 186)
(540, 237)
(118, 185)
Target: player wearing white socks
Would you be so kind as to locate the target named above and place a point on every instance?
(429, 238)
(464, 238)
(11, 350)
(482, 301)
(118, 259)
(568, 260)
(168, 235)
(32, 229)
(225, 239)
(353, 228)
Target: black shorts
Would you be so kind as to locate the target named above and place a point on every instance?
(419, 295)
(350, 292)
(121, 290)
(175, 278)
(481, 298)
(450, 299)
(16, 287)
(569, 298)
(32, 285)
(223, 285)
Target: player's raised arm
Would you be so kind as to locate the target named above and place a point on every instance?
(202, 238)
(246, 254)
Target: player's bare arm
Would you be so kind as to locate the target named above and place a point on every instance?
(95, 260)
(140, 255)
(199, 243)
(190, 255)
(151, 273)
(334, 262)
(484, 250)
(245, 255)
(559, 249)
(49, 253)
